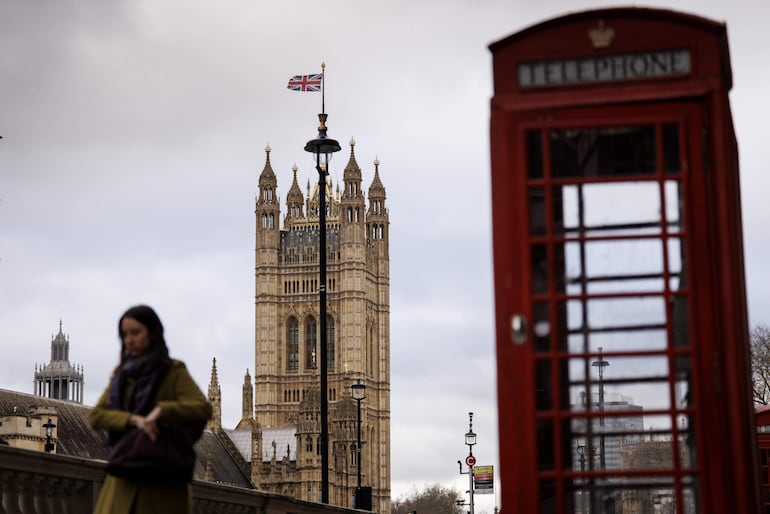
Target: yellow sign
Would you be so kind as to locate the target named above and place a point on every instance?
(484, 479)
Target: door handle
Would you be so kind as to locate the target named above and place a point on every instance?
(518, 329)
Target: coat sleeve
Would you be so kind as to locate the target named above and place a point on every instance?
(180, 399)
(102, 417)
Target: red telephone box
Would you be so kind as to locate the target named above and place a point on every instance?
(621, 324)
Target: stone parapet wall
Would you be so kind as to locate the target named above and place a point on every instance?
(32, 482)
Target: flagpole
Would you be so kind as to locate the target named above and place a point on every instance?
(323, 79)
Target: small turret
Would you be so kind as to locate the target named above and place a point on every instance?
(377, 215)
(294, 199)
(352, 203)
(267, 211)
(247, 403)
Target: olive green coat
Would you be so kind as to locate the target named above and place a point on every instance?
(180, 401)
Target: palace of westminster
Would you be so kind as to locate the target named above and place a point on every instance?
(276, 445)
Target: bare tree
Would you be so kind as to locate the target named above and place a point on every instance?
(760, 364)
(432, 500)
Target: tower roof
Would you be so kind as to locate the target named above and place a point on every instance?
(376, 189)
(60, 338)
(267, 177)
(352, 170)
(294, 197)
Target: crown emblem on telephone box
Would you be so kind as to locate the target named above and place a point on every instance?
(601, 36)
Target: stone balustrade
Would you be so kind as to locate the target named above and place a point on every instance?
(33, 482)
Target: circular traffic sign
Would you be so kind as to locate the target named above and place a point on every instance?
(470, 461)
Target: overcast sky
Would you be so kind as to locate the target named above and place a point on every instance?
(134, 134)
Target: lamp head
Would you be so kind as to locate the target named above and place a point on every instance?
(49, 426)
(470, 438)
(358, 390)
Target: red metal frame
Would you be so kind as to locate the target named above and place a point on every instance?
(763, 442)
(536, 386)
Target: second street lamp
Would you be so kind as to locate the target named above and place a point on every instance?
(358, 391)
(49, 426)
(323, 146)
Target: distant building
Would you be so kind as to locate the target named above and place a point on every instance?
(59, 379)
(629, 427)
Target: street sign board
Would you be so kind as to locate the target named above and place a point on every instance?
(484, 480)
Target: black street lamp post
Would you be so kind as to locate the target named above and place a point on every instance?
(358, 390)
(49, 426)
(581, 452)
(600, 363)
(325, 146)
(470, 460)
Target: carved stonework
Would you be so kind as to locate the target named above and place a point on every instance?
(287, 335)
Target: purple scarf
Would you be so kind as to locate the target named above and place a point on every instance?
(147, 371)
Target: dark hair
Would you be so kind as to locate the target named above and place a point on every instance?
(145, 315)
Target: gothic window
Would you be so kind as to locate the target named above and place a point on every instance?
(330, 343)
(358, 214)
(310, 342)
(309, 444)
(264, 220)
(293, 344)
(271, 223)
(371, 350)
(350, 214)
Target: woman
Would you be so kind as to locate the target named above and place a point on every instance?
(154, 394)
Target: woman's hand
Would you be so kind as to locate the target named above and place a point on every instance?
(148, 423)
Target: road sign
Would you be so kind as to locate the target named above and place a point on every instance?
(470, 460)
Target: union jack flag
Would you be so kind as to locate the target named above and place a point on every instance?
(306, 82)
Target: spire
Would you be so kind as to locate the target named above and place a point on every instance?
(214, 378)
(377, 212)
(294, 198)
(352, 170)
(267, 171)
(377, 188)
(247, 410)
(215, 398)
